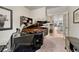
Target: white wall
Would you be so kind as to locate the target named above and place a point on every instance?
(57, 10)
(38, 14)
(17, 12)
(74, 28)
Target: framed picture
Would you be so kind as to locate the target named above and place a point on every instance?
(5, 18)
(25, 20)
(76, 16)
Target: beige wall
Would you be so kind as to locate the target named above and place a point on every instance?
(17, 12)
(57, 10)
(74, 28)
(38, 14)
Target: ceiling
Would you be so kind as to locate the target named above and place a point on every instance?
(36, 7)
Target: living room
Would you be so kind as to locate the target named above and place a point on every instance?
(38, 13)
(27, 21)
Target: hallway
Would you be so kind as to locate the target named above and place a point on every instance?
(53, 42)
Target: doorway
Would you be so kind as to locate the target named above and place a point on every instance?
(54, 42)
(56, 25)
(58, 30)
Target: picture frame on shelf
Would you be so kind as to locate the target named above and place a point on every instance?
(25, 20)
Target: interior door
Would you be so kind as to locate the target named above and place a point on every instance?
(66, 29)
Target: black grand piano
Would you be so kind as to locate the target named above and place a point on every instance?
(30, 40)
